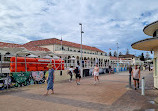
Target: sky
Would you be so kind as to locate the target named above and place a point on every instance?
(105, 22)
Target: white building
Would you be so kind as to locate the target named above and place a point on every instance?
(69, 50)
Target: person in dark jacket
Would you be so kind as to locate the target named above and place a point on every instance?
(130, 72)
(78, 76)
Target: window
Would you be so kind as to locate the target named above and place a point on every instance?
(154, 34)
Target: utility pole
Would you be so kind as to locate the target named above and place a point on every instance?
(117, 59)
(81, 69)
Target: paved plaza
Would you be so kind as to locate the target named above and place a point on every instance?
(110, 94)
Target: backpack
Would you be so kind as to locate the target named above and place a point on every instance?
(76, 71)
(69, 72)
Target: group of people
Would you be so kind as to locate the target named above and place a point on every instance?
(51, 76)
(77, 71)
(71, 71)
(135, 73)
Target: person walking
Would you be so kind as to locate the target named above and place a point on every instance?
(109, 69)
(136, 76)
(78, 76)
(130, 71)
(50, 80)
(96, 73)
(70, 72)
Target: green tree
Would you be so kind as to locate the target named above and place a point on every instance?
(120, 53)
(115, 54)
(142, 57)
(127, 51)
(110, 54)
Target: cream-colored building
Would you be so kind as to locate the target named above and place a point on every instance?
(150, 44)
(132, 59)
(70, 51)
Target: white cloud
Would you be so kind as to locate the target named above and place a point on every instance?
(105, 22)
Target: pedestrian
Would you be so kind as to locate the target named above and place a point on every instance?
(70, 72)
(109, 69)
(50, 79)
(96, 73)
(78, 76)
(130, 71)
(149, 68)
(136, 76)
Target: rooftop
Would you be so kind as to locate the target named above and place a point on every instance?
(52, 41)
(127, 56)
(33, 48)
(151, 28)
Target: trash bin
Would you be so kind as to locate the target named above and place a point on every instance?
(85, 72)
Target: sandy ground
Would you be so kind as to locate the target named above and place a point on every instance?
(110, 94)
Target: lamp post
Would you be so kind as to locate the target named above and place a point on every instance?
(81, 51)
(117, 59)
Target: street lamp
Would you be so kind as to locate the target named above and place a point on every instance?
(117, 59)
(81, 51)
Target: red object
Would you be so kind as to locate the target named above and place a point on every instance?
(34, 64)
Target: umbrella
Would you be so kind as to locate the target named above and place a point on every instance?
(47, 57)
(73, 58)
(55, 57)
(32, 55)
(12, 50)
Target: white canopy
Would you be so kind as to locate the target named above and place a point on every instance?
(32, 55)
(47, 57)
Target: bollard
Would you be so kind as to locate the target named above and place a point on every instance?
(61, 73)
(7, 81)
(129, 80)
(143, 86)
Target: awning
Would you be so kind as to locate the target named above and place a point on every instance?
(151, 28)
(147, 44)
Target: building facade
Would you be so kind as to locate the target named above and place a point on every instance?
(71, 52)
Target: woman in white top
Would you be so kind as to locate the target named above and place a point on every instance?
(96, 73)
(136, 76)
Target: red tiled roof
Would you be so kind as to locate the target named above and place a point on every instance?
(127, 56)
(115, 58)
(32, 48)
(57, 41)
(35, 48)
(4, 44)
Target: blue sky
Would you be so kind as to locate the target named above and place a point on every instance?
(105, 22)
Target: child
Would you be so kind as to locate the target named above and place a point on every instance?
(50, 79)
(70, 72)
